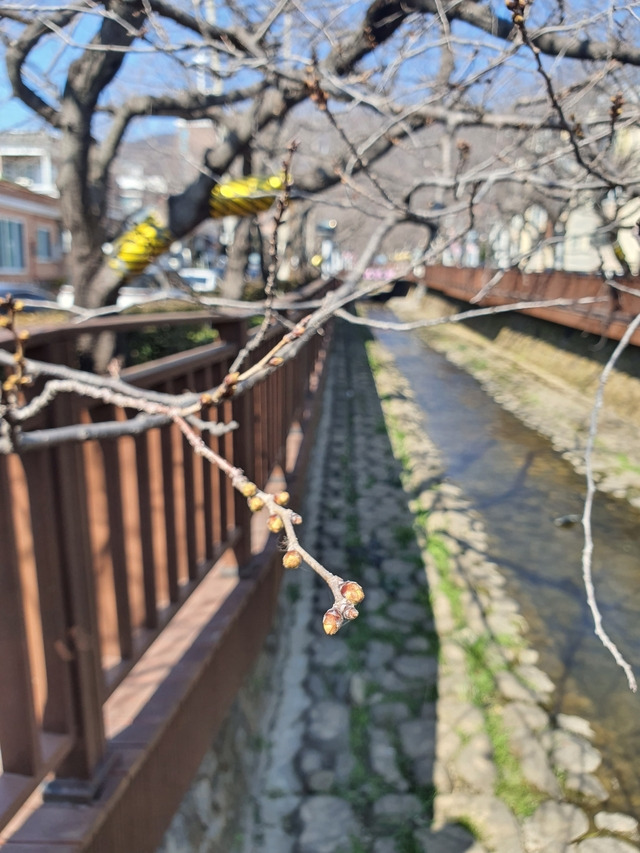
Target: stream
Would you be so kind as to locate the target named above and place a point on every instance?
(520, 484)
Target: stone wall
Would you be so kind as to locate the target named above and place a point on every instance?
(207, 819)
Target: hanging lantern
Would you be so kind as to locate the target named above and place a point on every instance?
(244, 196)
(145, 240)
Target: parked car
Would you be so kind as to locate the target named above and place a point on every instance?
(200, 281)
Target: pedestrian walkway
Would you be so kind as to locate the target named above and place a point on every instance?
(384, 737)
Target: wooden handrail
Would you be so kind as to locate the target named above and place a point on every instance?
(608, 318)
(104, 542)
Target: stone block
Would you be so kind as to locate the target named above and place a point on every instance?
(553, 826)
(326, 825)
(396, 809)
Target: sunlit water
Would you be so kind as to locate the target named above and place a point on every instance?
(519, 484)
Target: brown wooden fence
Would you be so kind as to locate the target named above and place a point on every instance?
(609, 317)
(125, 630)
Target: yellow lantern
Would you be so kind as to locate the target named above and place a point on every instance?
(244, 196)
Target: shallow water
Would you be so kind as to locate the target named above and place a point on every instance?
(519, 484)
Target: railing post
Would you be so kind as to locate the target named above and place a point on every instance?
(243, 452)
(18, 728)
(78, 776)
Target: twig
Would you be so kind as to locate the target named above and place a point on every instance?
(346, 594)
(574, 131)
(587, 552)
(36, 439)
(281, 206)
(465, 315)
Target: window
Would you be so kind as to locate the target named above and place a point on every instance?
(26, 169)
(11, 245)
(43, 245)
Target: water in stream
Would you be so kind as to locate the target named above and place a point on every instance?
(519, 484)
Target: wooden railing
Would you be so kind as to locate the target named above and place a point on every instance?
(608, 317)
(122, 613)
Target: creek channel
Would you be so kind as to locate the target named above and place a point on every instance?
(519, 484)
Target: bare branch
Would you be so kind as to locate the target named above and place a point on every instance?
(587, 552)
(465, 315)
(17, 53)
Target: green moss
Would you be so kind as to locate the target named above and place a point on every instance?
(405, 842)
(477, 364)
(440, 553)
(624, 464)
(470, 826)
(364, 786)
(404, 535)
(511, 787)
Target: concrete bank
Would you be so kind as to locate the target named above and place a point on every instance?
(422, 725)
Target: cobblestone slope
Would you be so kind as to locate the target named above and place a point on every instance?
(421, 727)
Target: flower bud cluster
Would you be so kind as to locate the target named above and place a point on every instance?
(343, 611)
(229, 385)
(347, 594)
(517, 9)
(9, 307)
(617, 102)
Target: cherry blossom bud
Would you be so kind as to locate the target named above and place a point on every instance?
(291, 560)
(331, 622)
(255, 503)
(349, 612)
(352, 591)
(275, 523)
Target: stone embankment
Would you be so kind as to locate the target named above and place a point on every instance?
(422, 726)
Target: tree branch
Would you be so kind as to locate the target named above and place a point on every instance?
(587, 552)
(16, 55)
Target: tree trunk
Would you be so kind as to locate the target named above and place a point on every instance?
(234, 281)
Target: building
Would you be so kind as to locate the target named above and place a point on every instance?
(29, 160)
(30, 237)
